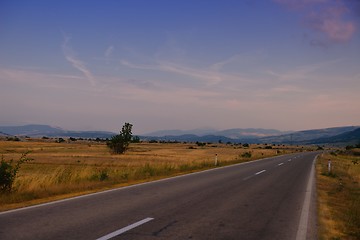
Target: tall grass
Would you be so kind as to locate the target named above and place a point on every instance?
(339, 196)
(60, 169)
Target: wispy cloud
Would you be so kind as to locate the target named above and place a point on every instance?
(330, 17)
(40, 78)
(302, 72)
(211, 75)
(109, 51)
(75, 62)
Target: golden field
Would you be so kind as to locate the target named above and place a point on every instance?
(339, 195)
(72, 168)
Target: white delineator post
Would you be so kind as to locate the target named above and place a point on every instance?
(216, 159)
(329, 166)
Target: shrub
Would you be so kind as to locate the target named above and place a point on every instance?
(349, 147)
(103, 175)
(200, 144)
(9, 170)
(246, 155)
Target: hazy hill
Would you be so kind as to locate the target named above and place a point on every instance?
(235, 133)
(190, 138)
(308, 135)
(316, 136)
(337, 135)
(35, 130)
(352, 137)
(30, 130)
(246, 133)
(4, 134)
(197, 131)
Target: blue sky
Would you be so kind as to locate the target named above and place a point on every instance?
(180, 64)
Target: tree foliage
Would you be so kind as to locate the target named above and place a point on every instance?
(120, 143)
(9, 170)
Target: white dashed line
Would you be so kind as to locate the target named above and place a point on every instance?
(280, 164)
(125, 229)
(260, 172)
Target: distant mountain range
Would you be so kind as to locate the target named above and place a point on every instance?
(36, 130)
(234, 133)
(334, 136)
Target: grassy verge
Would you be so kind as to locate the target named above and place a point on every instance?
(339, 195)
(61, 170)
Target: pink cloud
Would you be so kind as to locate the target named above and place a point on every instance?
(329, 17)
(330, 21)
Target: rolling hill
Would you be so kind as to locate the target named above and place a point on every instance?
(334, 136)
(350, 138)
(36, 130)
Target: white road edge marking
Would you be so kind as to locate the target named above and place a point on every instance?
(280, 164)
(260, 172)
(303, 224)
(125, 229)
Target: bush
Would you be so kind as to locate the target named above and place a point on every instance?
(246, 155)
(9, 170)
(349, 147)
(103, 175)
(200, 144)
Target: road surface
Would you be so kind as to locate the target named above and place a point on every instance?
(266, 199)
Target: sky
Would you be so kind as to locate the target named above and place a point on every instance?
(180, 64)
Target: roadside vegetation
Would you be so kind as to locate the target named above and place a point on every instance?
(339, 194)
(70, 167)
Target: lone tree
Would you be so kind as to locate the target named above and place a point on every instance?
(120, 143)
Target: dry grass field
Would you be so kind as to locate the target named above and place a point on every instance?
(72, 168)
(339, 195)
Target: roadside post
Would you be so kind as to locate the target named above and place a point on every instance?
(216, 159)
(329, 166)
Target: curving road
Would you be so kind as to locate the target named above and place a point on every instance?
(264, 199)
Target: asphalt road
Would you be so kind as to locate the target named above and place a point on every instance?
(266, 199)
